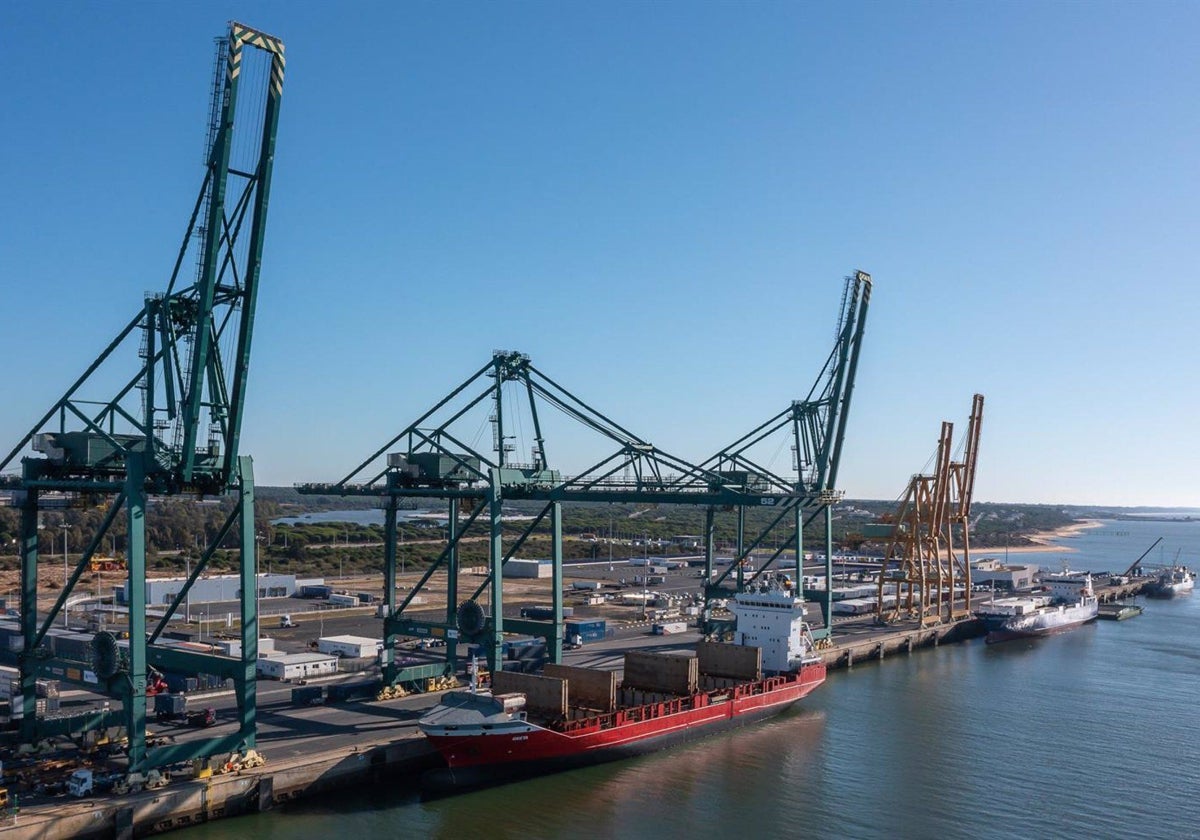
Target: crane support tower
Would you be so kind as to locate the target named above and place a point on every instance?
(432, 459)
(927, 565)
(816, 429)
(171, 428)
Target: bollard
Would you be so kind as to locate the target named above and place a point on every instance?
(266, 793)
(123, 824)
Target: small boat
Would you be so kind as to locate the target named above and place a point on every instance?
(1069, 602)
(1177, 580)
(1119, 612)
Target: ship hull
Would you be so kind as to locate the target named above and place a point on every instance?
(1170, 590)
(522, 751)
(1047, 624)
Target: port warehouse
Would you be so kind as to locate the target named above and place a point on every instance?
(1013, 578)
(217, 588)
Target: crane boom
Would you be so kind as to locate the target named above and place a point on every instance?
(1142, 557)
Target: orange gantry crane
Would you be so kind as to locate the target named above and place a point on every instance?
(926, 570)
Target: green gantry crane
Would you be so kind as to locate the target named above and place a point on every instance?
(172, 428)
(431, 459)
(816, 428)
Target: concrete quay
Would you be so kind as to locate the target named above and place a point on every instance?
(184, 803)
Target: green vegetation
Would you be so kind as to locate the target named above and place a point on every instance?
(178, 530)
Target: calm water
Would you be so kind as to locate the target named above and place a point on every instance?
(1091, 733)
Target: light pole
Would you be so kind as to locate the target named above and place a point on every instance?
(646, 575)
(65, 608)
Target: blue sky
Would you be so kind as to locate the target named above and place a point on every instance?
(657, 202)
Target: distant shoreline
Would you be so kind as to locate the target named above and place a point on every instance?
(1046, 539)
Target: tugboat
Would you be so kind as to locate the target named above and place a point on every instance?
(568, 717)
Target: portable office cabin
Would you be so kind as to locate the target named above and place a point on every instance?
(297, 666)
(352, 646)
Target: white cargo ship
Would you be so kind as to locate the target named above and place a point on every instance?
(1068, 602)
(1174, 581)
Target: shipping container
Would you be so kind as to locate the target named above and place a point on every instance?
(340, 600)
(544, 613)
(592, 630)
(308, 695)
(359, 690)
(667, 628)
(170, 705)
(74, 646)
(316, 591)
(529, 651)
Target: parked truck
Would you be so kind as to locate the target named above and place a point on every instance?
(170, 706)
(173, 707)
(201, 718)
(81, 783)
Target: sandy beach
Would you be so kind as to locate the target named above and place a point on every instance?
(1046, 540)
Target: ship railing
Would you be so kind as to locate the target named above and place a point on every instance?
(634, 714)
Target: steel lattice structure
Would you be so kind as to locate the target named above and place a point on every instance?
(928, 558)
(173, 424)
(432, 459)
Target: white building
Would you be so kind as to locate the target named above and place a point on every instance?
(518, 568)
(231, 647)
(162, 591)
(296, 666)
(1013, 578)
(353, 646)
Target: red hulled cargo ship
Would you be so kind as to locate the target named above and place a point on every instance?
(569, 717)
